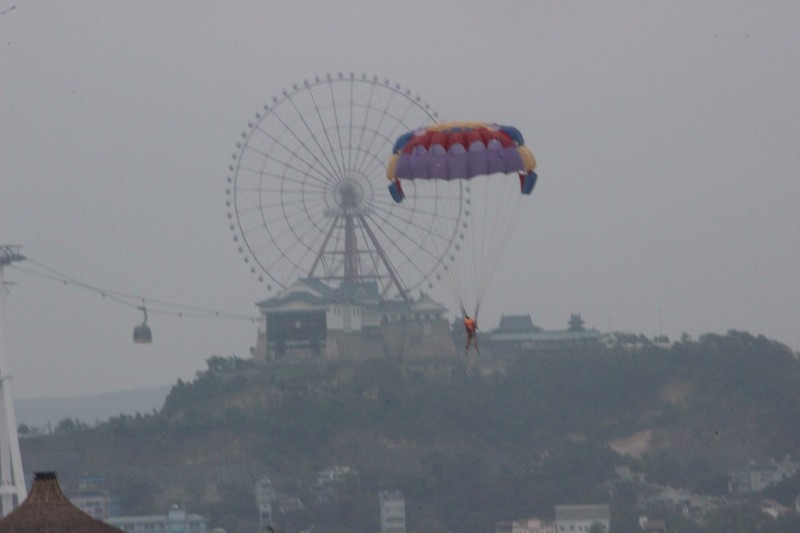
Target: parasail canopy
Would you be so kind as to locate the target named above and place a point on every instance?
(476, 160)
(460, 150)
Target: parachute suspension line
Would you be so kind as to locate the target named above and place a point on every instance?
(489, 158)
(493, 209)
(497, 243)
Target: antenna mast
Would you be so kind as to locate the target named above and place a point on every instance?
(12, 479)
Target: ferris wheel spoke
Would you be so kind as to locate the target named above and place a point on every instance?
(330, 152)
(403, 237)
(257, 202)
(302, 223)
(367, 132)
(408, 259)
(338, 129)
(329, 166)
(433, 210)
(383, 137)
(311, 167)
(259, 175)
(364, 115)
(400, 124)
(281, 160)
(350, 125)
(374, 131)
(292, 246)
(374, 168)
(411, 247)
(411, 215)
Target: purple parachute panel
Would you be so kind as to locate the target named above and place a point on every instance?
(458, 162)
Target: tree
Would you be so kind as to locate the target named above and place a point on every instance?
(70, 425)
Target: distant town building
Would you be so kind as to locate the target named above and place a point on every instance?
(581, 518)
(92, 497)
(691, 505)
(393, 511)
(265, 495)
(176, 520)
(775, 509)
(93, 503)
(758, 477)
(311, 319)
(328, 480)
(287, 503)
(531, 525)
(652, 526)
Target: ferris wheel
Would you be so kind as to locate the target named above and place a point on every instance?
(307, 190)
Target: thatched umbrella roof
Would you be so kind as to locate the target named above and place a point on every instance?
(47, 510)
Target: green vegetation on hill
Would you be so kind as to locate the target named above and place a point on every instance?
(467, 448)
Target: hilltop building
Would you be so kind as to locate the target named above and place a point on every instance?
(393, 511)
(517, 334)
(311, 319)
(352, 321)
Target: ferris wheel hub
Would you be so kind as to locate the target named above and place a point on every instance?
(350, 200)
(349, 194)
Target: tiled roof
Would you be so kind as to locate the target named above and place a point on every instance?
(517, 323)
(47, 510)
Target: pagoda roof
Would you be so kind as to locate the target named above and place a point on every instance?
(315, 292)
(516, 323)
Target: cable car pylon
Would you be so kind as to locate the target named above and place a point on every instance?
(12, 480)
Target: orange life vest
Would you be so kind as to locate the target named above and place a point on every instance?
(469, 324)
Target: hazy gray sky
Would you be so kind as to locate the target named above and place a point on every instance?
(666, 134)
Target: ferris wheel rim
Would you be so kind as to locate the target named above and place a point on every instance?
(315, 167)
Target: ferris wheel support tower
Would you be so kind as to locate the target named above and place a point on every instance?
(12, 479)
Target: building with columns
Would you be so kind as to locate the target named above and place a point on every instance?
(352, 321)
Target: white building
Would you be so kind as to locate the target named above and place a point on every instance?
(93, 503)
(581, 518)
(176, 521)
(265, 495)
(393, 511)
(756, 478)
(530, 525)
(533, 525)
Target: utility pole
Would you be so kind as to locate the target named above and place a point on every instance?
(12, 480)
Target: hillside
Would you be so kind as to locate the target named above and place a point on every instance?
(468, 444)
(39, 412)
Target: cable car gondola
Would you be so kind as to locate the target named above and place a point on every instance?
(142, 333)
